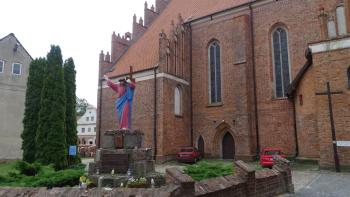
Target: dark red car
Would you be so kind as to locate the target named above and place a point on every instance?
(188, 154)
(266, 156)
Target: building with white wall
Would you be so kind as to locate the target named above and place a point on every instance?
(14, 70)
(86, 127)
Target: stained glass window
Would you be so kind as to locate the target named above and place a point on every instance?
(215, 73)
(281, 62)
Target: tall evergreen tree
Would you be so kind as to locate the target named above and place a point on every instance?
(71, 115)
(32, 108)
(51, 145)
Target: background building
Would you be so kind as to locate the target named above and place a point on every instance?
(86, 128)
(14, 69)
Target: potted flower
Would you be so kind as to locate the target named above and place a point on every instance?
(137, 183)
(84, 182)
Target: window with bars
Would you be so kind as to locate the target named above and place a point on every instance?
(214, 73)
(281, 61)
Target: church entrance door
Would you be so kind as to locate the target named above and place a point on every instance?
(201, 146)
(228, 147)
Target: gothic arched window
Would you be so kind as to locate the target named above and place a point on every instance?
(177, 101)
(214, 73)
(280, 61)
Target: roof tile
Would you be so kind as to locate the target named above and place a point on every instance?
(144, 53)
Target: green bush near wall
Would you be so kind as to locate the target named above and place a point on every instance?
(209, 169)
(45, 177)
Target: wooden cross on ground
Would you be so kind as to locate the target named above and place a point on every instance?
(334, 138)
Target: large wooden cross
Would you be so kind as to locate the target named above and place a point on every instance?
(130, 73)
(334, 138)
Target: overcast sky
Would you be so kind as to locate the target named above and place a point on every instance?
(82, 28)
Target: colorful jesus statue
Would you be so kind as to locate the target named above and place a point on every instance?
(125, 93)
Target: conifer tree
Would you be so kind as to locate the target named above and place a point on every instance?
(71, 115)
(32, 108)
(51, 145)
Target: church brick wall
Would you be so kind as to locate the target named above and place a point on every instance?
(300, 18)
(332, 67)
(276, 118)
(176, 129)
(306, 120)
(233, 113)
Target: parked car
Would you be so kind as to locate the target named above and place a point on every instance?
(188, 154)
(266, 156)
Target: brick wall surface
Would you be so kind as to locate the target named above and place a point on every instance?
(332, 67)
(234, 110)
(236, 114)
(245, 183)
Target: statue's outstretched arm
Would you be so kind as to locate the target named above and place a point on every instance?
(112, 85)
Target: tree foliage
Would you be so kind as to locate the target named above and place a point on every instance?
(71, 120)
(81, 106)
(51, 145)
(32, 108)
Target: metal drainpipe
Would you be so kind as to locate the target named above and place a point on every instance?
(295, 130)
(254, 80)
(155, 114)
(191, 94)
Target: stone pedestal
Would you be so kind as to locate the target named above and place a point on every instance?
(126, 139)
(121, 151)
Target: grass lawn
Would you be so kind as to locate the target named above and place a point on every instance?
(206, 169)
(46, 177)
(5, 168)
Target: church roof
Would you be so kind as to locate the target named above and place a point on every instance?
(144, 53)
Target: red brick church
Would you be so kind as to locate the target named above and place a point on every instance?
(232, 77)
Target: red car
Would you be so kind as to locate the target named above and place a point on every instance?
(188, 154)
(266, 156)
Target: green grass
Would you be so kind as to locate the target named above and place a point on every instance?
(5, 168)
(207, 169)
(47, 177)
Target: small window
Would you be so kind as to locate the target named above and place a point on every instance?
(83, 130)
(2, 63)
(16, 69)
(87, 118)
(92, 118)
(90, 142)
(89, 129)
(177, 101)
(94, 129)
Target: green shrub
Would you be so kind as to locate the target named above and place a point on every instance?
(27, 168)
(205, 170)
(46, 177)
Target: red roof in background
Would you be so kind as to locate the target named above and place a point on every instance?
(144, 53)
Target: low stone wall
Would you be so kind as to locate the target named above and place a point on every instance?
(246, 182)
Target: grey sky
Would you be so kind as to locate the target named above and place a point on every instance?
(82, 28)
